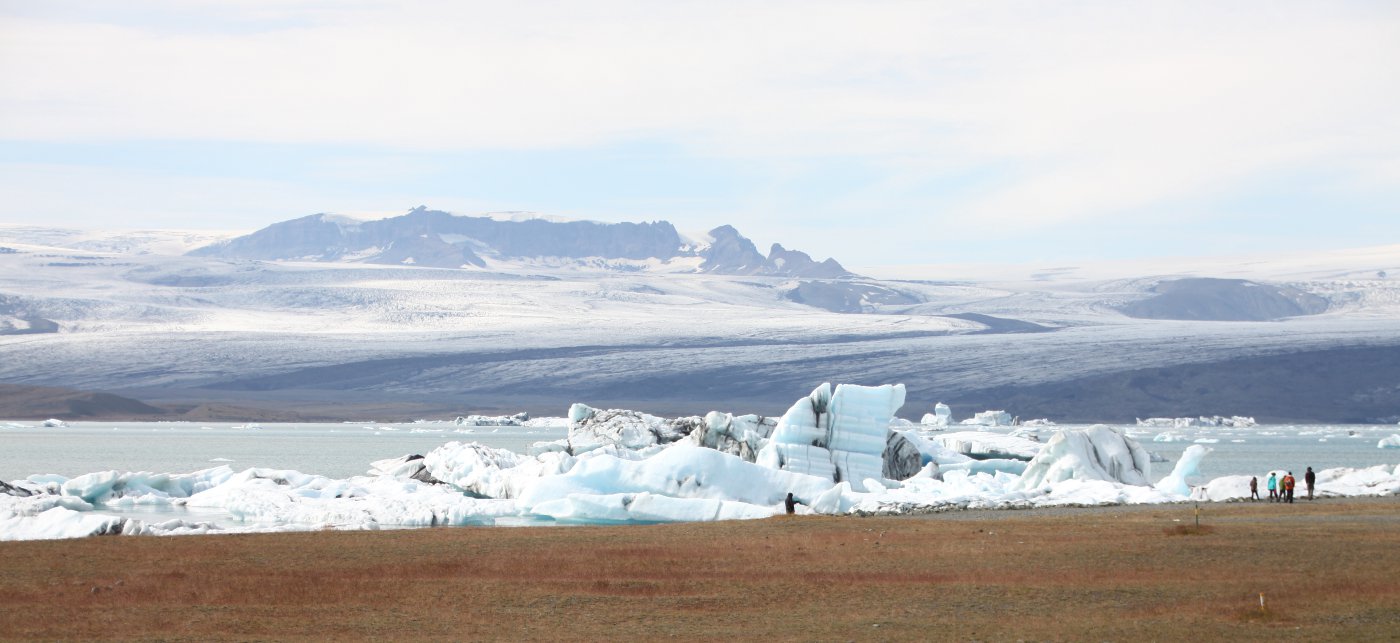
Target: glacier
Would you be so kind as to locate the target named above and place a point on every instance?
(838, 450)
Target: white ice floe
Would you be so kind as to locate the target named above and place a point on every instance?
(519, 419)
(983, 445)
(990, 418)
(836, 451)
(1392, 442)
(1237, 421)
(55, 423)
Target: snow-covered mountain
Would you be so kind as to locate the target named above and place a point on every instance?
(437, 239)
(296, 318)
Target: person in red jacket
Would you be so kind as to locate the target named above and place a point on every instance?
(1288, 482)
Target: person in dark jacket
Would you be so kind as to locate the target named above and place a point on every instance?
(791, 504)
(1310, 478)
(1254, 488)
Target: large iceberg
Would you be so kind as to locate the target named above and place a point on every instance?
(838, 436)
(591, 428)
(1096, 453)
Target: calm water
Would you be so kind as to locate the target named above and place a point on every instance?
(332, 450)
(344, 450)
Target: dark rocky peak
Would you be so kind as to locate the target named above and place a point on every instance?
(440, 239)
(316, 235)
(731, 253)
(782, 261)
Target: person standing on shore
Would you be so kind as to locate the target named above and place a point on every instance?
(1288, 483)
(1254, 488)
(1310, 478)
(790, 504)
(1273, 487)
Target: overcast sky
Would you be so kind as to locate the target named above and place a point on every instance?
(872, 131)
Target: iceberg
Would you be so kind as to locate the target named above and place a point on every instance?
(1094, 453)
(941, 416)
(985, 445)
(681, 471)
(837, 436)
(1237, 421)
(591, 428)
(741, 435)
(990, 418)
(519, 419)
(1189, 466)
(1392, 442)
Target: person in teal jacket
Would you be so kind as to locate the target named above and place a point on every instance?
(1273, 487)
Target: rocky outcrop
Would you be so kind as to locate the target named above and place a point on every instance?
(902, 458)
(848, 296)
(731, 253)
(1202, 299)
(782, 261)
(12, 490)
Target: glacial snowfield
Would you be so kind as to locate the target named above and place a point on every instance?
(836, 451)
(123, 313)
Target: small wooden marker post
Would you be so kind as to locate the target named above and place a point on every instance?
(1198, 519)
(1261, 602)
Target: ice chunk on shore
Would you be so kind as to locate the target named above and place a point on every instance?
(1095, 453)
(1189, 466)
(681, 471)
(647, 507)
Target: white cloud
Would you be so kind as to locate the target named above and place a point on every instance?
(1090, 108)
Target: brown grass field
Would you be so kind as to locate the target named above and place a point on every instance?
(1329, 570)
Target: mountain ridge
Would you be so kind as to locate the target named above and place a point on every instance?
(436, 238)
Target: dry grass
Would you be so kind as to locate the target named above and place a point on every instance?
(1189, 530)
(1328, 572)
